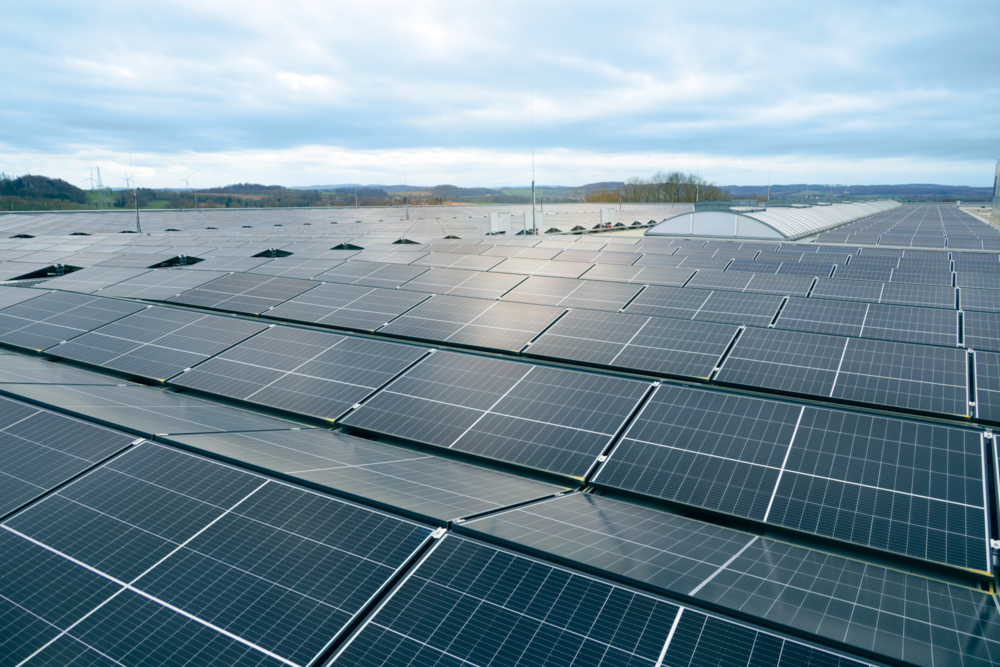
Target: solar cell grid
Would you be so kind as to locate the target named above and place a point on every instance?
(724, 280)
(539, 267)
(307, 372)
(157, 343)
(801, 363)
(458, 261)
(901, 486)
(244, 292)
(712, 450)
(655, 345)
(258, 567)
(978, 280)
(43, 449)
(840, 318)
(51, 318)
(474, 322)
(780, 285)
(18, 369)
(347, 306)
(11, 295)
(92, 279)
(642, 275)
(539, 417)
(623, 258)
(295, 267)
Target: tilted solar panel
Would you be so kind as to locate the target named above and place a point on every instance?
(372, 274)
(157, 343)
(568, 293)
(244, 292)
(51, 318)
(651, 344)
(347, 306)
(196, 559)
(540, 417)
(307, 372)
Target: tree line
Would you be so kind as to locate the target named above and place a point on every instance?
(661, 187)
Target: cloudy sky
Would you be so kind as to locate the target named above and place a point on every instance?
(302, 93)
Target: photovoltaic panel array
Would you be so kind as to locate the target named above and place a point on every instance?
(198, 560)
(982, 330)
(713, 450)
(160, 284)
(988, 386)
(39, 450)
(848, 604)
(475, 605)
(244, 293)
(11, 295)
(650, 344)
(640, 275)
(157, 343)
(416, 483)
(347, 306)
(549, 419)
(915, 377)
(497, 325)
(40, 323)
(903, 294)
(92, 278)
(308, 372)
(22, 369)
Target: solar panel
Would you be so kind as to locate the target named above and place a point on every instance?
(40, 323)
(642, 275)
(987, 386)
(984, 300)
(458, 261)
(660, 260)
(403, 255)
(669, 302)
(295, 267)
(199, 561)
(651, 344)
(845, 603)
(932, 326)
(735, 281)
(568, 293)
(780, 284)
(92, 278)
(479, 285)
(474, 322)
(539, 267)
(931, 296)
(145, 411)
(620, 258)
(415, 483)
(11, 295)
(903, 486)
(244, 293)
(160, 284)
(472, 604)
(754, 266)
(347, 306)
(42, 450)
(841, 318)
(307, 372)
(721, 306)
(901, 375)
(372, 274)
(790, 361)
(157, 343)
(846, 290)
(925, 277)
(539, 417)
(18, 369)
(229, 263)
(714, 450)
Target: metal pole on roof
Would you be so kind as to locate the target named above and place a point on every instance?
(769, 179)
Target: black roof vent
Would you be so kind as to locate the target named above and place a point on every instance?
(273, 252)
(346, 246)
(22, 236)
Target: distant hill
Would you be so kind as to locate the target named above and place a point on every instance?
(26, 193)
(912, 191)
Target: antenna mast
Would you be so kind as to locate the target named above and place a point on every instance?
(135, 193)
(406, 196)
(768, 179)
(531, 111)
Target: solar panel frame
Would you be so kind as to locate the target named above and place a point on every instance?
(642, 275)
(570, 293)
(160, 284)
(457, 282)
(372, 274)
